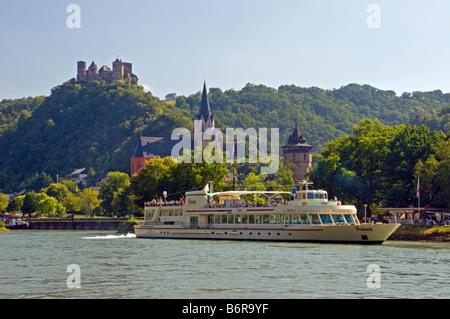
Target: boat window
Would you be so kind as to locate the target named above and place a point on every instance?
(216, 219)
(237, 219)
(280, 219)
(251, 219)
(314, 219)
(296, 219)
(224, 219)
(258, 219)
(349, 219)
(304, 218)
(265, 218)
(230, 219)
(310, 195)
(244, 219)
(288, 219)
(326, 219)
(193, 221)
(338, 218)
(149, 215)
(273, 219)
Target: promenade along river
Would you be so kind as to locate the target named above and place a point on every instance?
(34, 265)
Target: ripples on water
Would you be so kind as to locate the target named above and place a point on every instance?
(34, 263)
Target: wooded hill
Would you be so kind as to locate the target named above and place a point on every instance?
(97, 126)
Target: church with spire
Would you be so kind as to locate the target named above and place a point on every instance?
(296, 151)
(149, 147)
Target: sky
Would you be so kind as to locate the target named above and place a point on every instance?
(174, 45)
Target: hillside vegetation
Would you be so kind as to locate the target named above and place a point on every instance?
(97, 126)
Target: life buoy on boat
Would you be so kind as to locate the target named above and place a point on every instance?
(339, 203)
(159, 219)
(304, 203)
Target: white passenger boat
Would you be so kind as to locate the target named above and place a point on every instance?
(308, 217)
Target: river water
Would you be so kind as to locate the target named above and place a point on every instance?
(34, 264)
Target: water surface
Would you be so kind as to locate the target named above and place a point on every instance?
(34, 264)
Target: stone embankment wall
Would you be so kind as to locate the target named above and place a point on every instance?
(76, 225)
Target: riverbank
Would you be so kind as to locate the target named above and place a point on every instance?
(422, 233)
(3, 229)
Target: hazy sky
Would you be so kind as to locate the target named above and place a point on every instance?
(175, 44)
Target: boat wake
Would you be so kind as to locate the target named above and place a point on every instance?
(129, 235)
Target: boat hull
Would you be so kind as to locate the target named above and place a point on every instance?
(360, 234)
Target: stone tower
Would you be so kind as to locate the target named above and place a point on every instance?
(298, 152)
(81, 69)
(92, 69)
(118, 70)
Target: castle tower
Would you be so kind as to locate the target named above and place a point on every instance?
(118, 69)
(127, 69)
(81, 69)
(298, 152)
(92, 69)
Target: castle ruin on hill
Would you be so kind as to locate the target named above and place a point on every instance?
(121, 71)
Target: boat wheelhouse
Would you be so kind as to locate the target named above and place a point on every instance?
(307, 215)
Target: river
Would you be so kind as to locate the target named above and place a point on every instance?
(34, 264)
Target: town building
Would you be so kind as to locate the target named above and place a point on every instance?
(171, 97)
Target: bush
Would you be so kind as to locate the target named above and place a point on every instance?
(127, 226)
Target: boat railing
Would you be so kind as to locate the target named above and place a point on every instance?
(241, 205)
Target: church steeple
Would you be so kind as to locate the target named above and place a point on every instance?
(205, 112)
(204, 106)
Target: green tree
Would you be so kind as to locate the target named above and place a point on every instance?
(123, 203)
(72, 203)
(410, 144)
(163, 174)
(37, 182)
(57, 190)
(90, 177)
(49, 206)
(30, 203)
(71, 186)
(428, 173)
(4, 200)
(113, 183)
(253, 182)
(145, 185)
(376, 164)
(15, 204)
(443, 176)
(89, 200)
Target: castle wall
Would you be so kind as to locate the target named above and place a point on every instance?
(127, 68)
